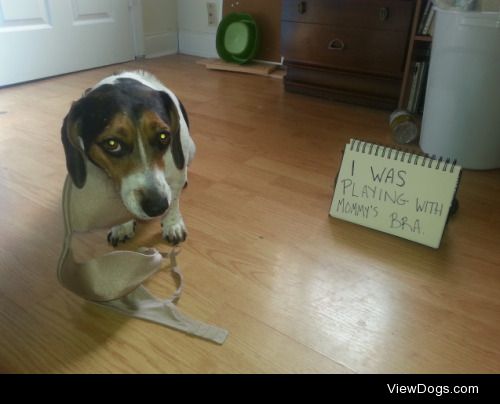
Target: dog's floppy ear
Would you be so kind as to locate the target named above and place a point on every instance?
(175, 129)
(73, 149)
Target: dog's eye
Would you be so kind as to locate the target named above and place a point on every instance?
(164, 138)
(112, 146)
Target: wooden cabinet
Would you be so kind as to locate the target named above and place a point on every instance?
(348, 50)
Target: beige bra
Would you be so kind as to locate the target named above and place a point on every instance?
(114, 280)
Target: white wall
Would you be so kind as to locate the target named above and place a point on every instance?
(196, 37)
(159, 18)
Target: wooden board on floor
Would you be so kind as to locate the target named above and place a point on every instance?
(259, 68)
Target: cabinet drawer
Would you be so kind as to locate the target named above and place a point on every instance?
(369, 90)
(363, 50)
(393, 15)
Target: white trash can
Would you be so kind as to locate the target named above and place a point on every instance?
(461, 117)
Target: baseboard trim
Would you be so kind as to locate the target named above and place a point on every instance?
(165, 43)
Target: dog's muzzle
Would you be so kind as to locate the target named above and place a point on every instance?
(146, 194)
(153, 203)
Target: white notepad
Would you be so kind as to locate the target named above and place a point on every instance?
(395, 191)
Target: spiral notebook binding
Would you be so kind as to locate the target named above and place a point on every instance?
(431, 160)
(403, 155)
(453, 165)
(446, 164)
(440, 160)
(364, 147)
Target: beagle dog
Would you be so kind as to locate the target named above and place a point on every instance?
(135, 129)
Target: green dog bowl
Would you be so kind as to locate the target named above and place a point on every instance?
(237, 38)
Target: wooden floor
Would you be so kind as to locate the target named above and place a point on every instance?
(297, 290)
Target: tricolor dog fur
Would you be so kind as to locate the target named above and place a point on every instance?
(135, 129)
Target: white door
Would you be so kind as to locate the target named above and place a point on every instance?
(41, 38)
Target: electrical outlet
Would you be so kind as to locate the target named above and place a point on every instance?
(212, 13)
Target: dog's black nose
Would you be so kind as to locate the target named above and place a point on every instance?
(154, 205)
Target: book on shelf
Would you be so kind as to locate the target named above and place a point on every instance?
(423, 17)
(431, 28)
(428, 22)
(413, 88)
(417, 89)
(421, 87)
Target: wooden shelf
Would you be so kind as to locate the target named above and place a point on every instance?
(416, 42)
(423, 38)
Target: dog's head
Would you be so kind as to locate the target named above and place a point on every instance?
(127, 129)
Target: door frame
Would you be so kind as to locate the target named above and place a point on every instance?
(135, 7)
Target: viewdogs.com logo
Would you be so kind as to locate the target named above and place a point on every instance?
(438, 391)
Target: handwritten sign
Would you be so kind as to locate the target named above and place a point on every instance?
(394, 191)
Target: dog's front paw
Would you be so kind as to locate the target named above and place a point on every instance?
(174, 232)
(121, 233)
